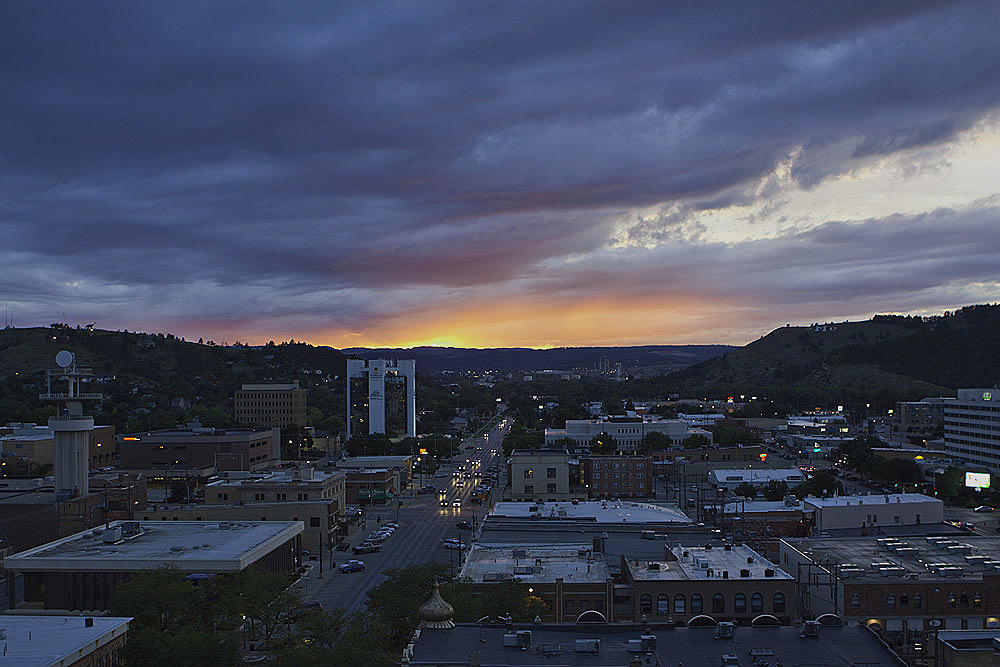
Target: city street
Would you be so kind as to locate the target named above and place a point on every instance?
(423, 523)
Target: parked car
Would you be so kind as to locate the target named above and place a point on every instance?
(367, 548)
(351, 566)
(983, 508)
(452, 543)
(426, 489)
(464, 525)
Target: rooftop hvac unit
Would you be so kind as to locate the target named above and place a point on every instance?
(648, 643)
(730, 660)
(653, 566)
(725, 630)
(519, 553)
(524, 638)
(810, 629)
(588, 646)
(130, 528)
(634, 646)
(112, 534)
(509, 640)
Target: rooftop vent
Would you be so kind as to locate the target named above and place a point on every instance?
(725, 630)
(112, 535)
(653, 566)
(744, 573)
(810, 629)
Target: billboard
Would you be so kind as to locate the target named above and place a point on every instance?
(977, 480)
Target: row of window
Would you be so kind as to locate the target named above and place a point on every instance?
(616, 466)
(625, 475)
(916, 602)
(549, 472)
(549, 488)
(663, 606)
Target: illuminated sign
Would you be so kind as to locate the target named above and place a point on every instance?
(763, 456)
(977, 480)
(987, 395)
(423, 450)
(130, 437)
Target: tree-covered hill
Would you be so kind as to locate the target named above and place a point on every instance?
(908, 356)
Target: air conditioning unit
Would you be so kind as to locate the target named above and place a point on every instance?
(588, 646)
(810, 629)
(725, 630)
(524, 638)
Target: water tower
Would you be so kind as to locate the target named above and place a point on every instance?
(70, 426)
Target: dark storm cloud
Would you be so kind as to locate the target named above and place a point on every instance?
(293, 151)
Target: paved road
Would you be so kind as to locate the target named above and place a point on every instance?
(423, 524)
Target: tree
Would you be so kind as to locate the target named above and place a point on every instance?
(603, 444)
(775, 491)
(745, 489)
(654, 441)
(695, 442)
(563, 443)
(266, 598)
(821, 484)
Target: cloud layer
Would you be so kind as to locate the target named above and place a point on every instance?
(514, 173)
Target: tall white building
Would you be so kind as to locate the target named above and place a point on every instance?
(972, 427)
(382, 397)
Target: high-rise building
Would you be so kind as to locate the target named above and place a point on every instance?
(381, 397)
(271, 405)
(972, 427)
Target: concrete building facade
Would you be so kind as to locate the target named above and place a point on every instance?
(197, 448)
(270, 405)
(538, 475)
(382, 397)
(972, 427)
(627, 432)
(874, 511)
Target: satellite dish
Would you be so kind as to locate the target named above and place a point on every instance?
(65, 358)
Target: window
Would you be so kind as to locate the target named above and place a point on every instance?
(951, 600)
(550, 488)
(597, 475)
(855, 601)
(718, 603)
(528, 474)
(529, 488)
(890, 601)
(662, 604)
(281, 496)
(550, 473)
(778, 603)
(963, 600)
(757, 603)
(740, 603)
(904, 600)
(916, 601)
(303, 496)
(645, 603)
(696, 605)
(314, 522)
(680, 604)
(977, 600)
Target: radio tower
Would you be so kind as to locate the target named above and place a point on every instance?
(70, 426)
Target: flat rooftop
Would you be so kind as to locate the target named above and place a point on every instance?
(697, 562)
(282, 477)
(554, 645)
(927, 558)
(759, 475)
(612, 511)
(761, 506)
(871, 499)
(534, 563)
(55, 639)
(191, 546)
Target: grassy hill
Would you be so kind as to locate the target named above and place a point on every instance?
(904, 356)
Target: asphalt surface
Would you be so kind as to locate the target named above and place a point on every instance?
(423, 524)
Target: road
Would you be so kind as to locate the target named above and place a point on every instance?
(423, 523)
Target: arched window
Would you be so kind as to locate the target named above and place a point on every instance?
(855, 601)
(662, 604)
(778, 603)
(680, 604)
(696, 605)
(718, 603)
(964, 600)
(977, 600)
(740, 603)
(917, 601)
(757, 603)
(951, 600)
(645, 603)
(890, 601)
(904, 600)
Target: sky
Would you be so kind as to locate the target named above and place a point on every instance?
(496, 174)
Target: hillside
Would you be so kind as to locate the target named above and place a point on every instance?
(904, 355)
(156, 379)
(667, 358)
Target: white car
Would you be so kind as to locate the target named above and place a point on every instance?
(452, 543)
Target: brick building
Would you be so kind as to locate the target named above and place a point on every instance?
(270, 405)
(618, 476)
(199, 448)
